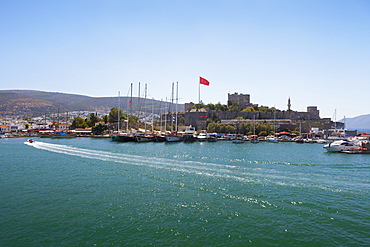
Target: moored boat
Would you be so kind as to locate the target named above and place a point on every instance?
(144, 138)
(254, 139)
(189, 135)
(202, 137)
(174, 137)
(341, 145)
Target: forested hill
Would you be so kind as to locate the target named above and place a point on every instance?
(37, 103)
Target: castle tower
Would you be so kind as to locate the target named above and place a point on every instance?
(289, 104)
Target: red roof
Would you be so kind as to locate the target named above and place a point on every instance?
(285, 133)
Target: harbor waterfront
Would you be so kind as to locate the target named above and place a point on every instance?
(96, 192)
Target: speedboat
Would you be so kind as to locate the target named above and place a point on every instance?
(202, 137)
(341, 145)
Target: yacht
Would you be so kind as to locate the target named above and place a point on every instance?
(202, 137)
(341, 145)
(189, 135)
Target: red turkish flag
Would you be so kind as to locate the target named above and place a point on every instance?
(203, 81)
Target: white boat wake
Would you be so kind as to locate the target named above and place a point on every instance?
(244, 174)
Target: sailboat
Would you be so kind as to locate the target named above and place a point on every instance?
(174, 136)
(125, 137)
(144, 137)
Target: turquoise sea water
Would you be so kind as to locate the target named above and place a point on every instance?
(94, 192)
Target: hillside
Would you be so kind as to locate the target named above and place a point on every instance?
(37, 103)
(357, 123)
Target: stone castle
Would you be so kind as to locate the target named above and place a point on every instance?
(285, 120)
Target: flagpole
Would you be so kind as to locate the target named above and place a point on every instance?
(199, 93)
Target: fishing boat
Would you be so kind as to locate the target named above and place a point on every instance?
(174, 137)
(144, 138)
(124, 137)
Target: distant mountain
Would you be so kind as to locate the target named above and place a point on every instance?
(37, 103)
(357, 123)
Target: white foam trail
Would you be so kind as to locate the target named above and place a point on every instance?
(200, 168)
(239, 173)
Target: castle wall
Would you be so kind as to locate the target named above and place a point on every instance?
(267, 115)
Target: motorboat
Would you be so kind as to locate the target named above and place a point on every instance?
(202, 137)
(189, 135)
(341, 145)
(30, 141)
(272, 139)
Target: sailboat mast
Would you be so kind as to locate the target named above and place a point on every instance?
(138, 108)
(152, 115)
(145, 107)
(165, 117)
(171, 105)
(199, 93)
(177, 101)
(119, 106)
(130, 105)
(254, 124)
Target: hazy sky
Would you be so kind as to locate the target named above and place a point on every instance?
(315, 52)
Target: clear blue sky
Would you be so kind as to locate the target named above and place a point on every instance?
(315, 52)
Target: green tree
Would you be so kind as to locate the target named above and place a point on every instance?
(295, 132)
(262, 133)
(234, 107)
(94, 119)
(262, 109)
(99, 129)
(211, 106)
(78, 122)
(113, 115)
(229, 129)
(213, 127)
(249, 109)
(106, 119)
(220, 107)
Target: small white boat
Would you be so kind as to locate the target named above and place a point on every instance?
(202, 137)
(272, 139)
(341, 145)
